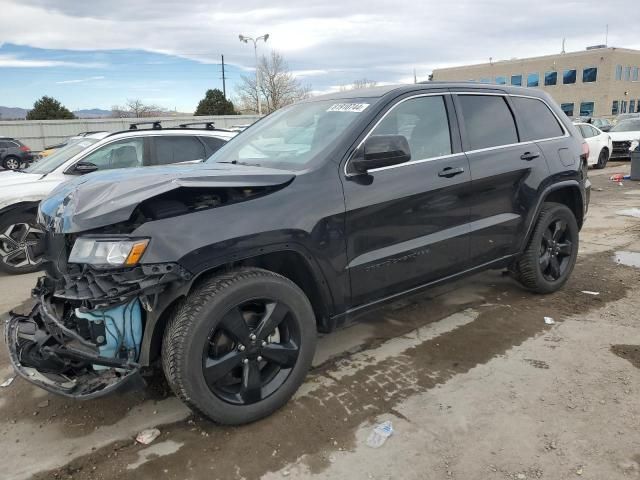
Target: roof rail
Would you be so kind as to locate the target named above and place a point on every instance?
(207, 125)
(155, 125)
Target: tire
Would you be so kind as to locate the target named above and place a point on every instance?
(206, 331)
(11, 163)
(603, 158)
(21, 243)
(537, 268)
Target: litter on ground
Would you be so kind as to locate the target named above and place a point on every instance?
(7, 382)
(589, 292)
(145, 437)
(630, 212)
(549, 320)
(380, 434)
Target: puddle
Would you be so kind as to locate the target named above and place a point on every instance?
(628, 352)
(630, 212)
(631, 259)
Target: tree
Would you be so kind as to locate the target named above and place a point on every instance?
(278, 86)
(48, 108)
(214, 103)
(136, 108)
(357, 84)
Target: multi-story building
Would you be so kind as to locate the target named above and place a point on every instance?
(599, 81)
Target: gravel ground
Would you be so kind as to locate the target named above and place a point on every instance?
(477, 386)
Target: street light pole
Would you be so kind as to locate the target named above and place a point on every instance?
(264, 38)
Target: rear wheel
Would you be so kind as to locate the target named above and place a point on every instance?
(240, 345)
(11, 163)
(603, 158)
(21, 243)
(551, 254)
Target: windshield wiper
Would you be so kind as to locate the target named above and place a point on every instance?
(236, 162)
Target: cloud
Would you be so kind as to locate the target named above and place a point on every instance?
(80, 80)
(11, 61)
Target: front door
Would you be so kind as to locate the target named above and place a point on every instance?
(407, 224)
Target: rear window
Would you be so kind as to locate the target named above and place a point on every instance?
(488, 121)
(177, 149)
(535, 120)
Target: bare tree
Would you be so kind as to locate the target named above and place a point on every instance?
(136, 108)
(357, 84)
(278, 86)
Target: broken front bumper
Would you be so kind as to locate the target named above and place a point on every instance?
(58, 363)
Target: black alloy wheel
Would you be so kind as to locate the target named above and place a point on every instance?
(251, 352)
(555, 250)
(603, 158)
(21, 244)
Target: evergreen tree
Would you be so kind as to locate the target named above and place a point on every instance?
(48, 108)
(214, 103)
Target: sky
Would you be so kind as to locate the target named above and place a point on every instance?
(99, 53)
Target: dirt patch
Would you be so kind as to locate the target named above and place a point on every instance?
(324, 421)
(628, 352)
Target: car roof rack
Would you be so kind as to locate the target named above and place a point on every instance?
(156, 125)
(207, 126)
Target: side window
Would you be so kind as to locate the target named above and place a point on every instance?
(535, 120)
(126, 153)
(594, 132)
(4, 144)
(488, 121)
(584, 131)
(423, 121)
(177, 149)
(213, 144)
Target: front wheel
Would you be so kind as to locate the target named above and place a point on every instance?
(21, 243)
(548, 261)
(603, 158)
(240, 345)
(11, 163)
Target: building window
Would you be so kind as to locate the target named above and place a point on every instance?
(533, 79)
(638, 106)
(516, 80)
(618, 72)
(627, 74)
(632, 106)
(567, 108)
(586, 109)
(634, 74)
(550, 78)
(501, 80)
(614, 108)
(569, 77)
(623, 106)
(589, 74)
(485, 80)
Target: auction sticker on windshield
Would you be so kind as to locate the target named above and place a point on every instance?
(348, 107)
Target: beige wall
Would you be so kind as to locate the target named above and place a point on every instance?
(602, 92)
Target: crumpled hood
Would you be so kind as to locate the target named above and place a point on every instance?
(624, 136)
(104, 198)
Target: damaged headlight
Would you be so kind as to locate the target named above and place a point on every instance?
(108, 252)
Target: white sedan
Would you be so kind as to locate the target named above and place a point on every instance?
(600, 144)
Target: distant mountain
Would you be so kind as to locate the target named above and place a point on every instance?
(15, 113)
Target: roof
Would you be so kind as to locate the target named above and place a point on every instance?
(202, 132)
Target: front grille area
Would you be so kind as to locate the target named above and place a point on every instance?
(621, 149)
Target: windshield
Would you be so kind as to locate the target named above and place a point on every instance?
(627, 126)
(53, 161)
(292, 136)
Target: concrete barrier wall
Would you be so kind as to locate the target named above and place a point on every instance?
(38, 134)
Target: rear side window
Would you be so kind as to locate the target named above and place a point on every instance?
(213, 144)
(488, 121)
(423, 121)
(177, 149)
(535, 120)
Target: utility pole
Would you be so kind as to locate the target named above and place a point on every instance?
(224, 83)
(415, 79)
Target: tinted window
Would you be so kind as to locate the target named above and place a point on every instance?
(213, 143)
(4, 144)
(535, 120)
(550, 78)
(533, 79)
(589, 74)
(567, 108)
(488, 121)
(586, 109)
(176, 149)
(423, 121)
(126, 153)
(614, 107)
(569, 77)
(632, 106)
(516, 80)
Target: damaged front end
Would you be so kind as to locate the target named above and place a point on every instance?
(83, 337)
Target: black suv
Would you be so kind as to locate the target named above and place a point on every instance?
(14, 153)
(224, 272)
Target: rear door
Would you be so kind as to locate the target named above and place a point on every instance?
(505, 173)
(407, 224)
(168, 149)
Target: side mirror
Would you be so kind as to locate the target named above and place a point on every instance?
(605, 128)
(381, 151)
(82, 168)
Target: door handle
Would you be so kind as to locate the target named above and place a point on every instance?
(450, 172)
(528, 156)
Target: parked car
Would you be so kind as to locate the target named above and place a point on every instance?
(600, 144)
(75, 138)
(21, 191)
(603, 124)
(625, 116)
(13, 153)
(323, 209)
(622, 134)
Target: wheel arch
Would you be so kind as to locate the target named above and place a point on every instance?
(21, 207)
